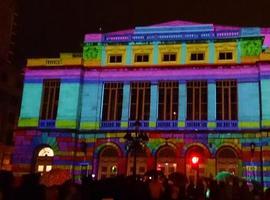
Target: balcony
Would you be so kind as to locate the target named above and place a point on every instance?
(227, 124)
(46, 123)
(196, 124)
(167, 124)
(110, 125)
(143, 124)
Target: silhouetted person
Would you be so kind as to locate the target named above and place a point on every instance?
(31, 188)
(6, 185)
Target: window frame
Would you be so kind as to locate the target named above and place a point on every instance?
(49, 106)
(225, 55)
(143, 55)
(231, 112)
(115, 56)
(141, 106)
(168, 110)
(197, 108)
(196, 54)
(114, 109)
(169, 54)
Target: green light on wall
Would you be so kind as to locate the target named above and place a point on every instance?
(251, 47)
(91, 52)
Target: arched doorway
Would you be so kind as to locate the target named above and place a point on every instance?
(202, 155)
(108, 162)
(227, 160)
(141, 162)
(44, 159)
(166, 160)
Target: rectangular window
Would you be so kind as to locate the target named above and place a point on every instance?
(140, 101)
(169, 57)
(115, 58)
(197, 100)
(227, 100)
(196, 56)
(141, 58)
(112, 101)
(225, 56)
(50, 98)
(168, 100)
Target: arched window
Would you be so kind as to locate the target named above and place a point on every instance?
(108, 162)
(227, 160)
(44, 160)
(166, 160)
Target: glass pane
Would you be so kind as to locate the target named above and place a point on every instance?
(40, 168)
(48, 168)
(46, 151)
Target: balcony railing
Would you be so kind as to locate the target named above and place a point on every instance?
(168, 124)
(110, 124)
(143, 124)
(196, 124)
(227, 124)
(47, 123)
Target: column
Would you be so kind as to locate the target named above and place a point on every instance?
(248, 105)
(211, 104)
(183, 53)
(31, 102)
(211, 52)
(129, 54)
(91, 113)
(125, 105)
(238, 52)
(153, 105)
(155, 53)
(182, 104)
(68, 105)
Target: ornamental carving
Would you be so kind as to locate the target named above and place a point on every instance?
(251, 47)
(91, 52)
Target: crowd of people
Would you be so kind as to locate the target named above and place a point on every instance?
(153, 186)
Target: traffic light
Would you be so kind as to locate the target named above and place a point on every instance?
(195, 162)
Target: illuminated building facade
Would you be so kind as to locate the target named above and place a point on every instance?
(197, 89)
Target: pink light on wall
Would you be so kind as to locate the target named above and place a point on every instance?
(94, 37)
(266, 40)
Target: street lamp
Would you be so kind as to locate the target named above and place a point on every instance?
(135, 142)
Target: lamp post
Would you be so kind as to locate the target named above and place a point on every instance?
(135, 142)
(252, 149)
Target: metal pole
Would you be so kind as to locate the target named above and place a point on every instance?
(261, 161)
(135, 154)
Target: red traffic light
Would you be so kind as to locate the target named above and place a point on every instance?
(195, 160)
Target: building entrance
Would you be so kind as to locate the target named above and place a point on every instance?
(227, 160)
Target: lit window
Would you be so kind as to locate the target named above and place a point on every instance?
(141, 58)
(44, 160)
(225, 56)
(46, 151)
(115, 58)
(40, 168)
(48, 168)
(169, 57)
(196, 56)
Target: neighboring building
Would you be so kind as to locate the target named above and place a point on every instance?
(10, 81)
(197, 89)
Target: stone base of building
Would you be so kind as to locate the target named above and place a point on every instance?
(106, 154)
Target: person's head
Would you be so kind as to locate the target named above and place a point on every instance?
(6, 178)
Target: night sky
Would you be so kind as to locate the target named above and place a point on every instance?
(47, 27)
